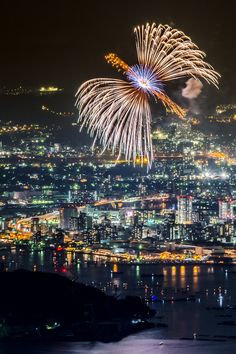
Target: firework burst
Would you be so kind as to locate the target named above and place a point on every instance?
(117, 112)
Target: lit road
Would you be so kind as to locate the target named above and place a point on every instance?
(24, 225)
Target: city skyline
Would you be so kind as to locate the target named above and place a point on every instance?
(189, 192)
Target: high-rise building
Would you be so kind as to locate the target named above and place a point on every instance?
(3, 223)
(226, 209)
(88, 222)
(57, 147)
(184, 213)
(225, 231)
(66, 213)
(233, 209)
(35, 227)
(137, 232)
(74, 223)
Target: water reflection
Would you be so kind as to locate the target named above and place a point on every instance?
(220, 299)
(42, 259)
(196, 271)
(144, 342)
(179, 281)
(182, 276)
(137, 268)
(173, 276)
(115, 267)
(127, 277)
(70, 258)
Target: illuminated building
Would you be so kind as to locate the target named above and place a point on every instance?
(225, 209)
(91, 236)
(138, 232)
(184, 213)
(66, 213)
(57, 147)
(44, 228)
(233, 210)
(144, 216)
(2, 223)
(88, 222)
(35, 225)
(225, 231)
(129, 217)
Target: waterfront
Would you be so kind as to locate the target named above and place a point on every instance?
(189, 298)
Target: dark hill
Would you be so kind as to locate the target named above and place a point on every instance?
(35, 302)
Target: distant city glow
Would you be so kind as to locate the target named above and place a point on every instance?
(49, 89)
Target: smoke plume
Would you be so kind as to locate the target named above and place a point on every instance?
(193, 89)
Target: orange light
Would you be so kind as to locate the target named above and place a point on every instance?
(170, 104)
(116, 62)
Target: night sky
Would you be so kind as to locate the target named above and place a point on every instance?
(63, 42)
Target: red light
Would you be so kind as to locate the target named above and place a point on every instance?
(59, 248)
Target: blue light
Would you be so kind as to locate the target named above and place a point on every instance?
(143, 78)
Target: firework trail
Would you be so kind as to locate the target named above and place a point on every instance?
(117, 112)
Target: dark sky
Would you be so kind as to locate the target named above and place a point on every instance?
(63, 42)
